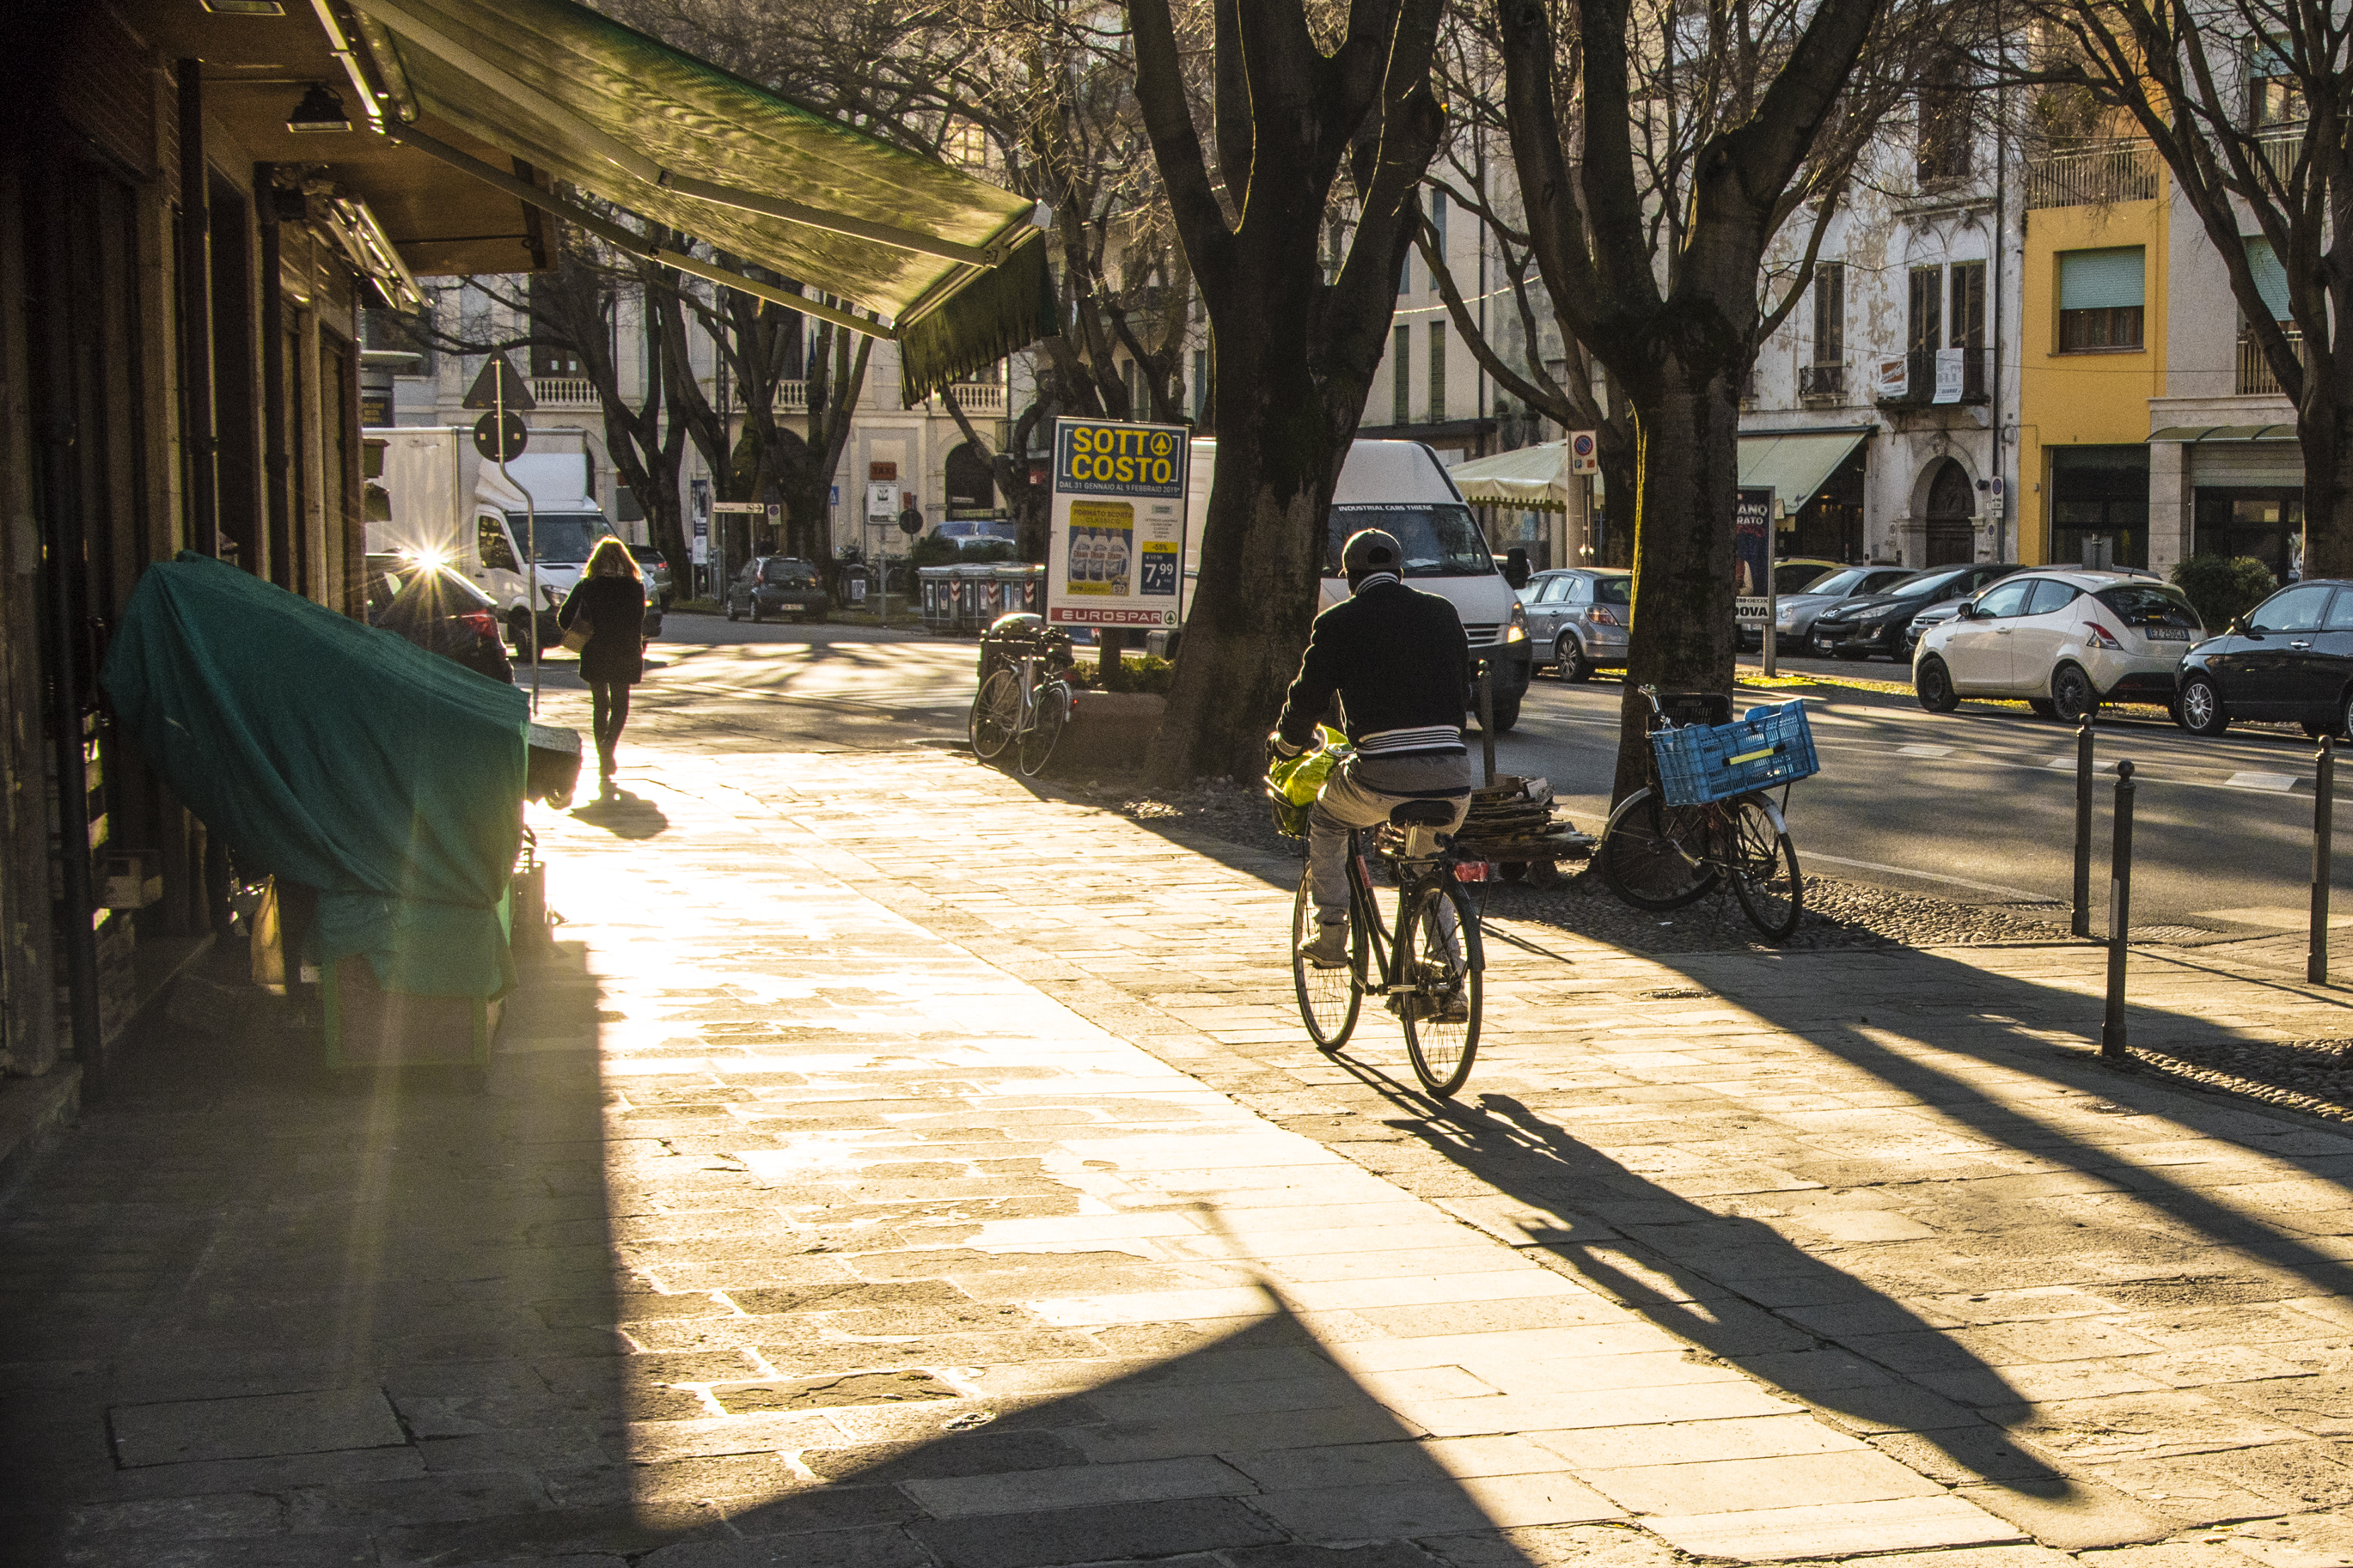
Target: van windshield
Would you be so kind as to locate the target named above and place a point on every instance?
(565, 537)
(1439, 541)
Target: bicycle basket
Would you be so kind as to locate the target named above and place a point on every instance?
(1768, 745)
(1293, 782)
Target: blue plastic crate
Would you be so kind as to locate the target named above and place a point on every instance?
(1764, 746)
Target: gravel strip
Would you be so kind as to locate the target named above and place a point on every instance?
(2311, 1075)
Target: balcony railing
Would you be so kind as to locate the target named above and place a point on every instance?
(2255, 377)
(2096, 175)
(1919, 386)
(978, 399)
(564, 392)
(1826, 383)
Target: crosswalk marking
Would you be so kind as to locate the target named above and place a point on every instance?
(2066, 764)
(2262, 781)
(1924, 751)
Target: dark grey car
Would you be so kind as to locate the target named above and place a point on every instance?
(777, 585)
(1577, 618)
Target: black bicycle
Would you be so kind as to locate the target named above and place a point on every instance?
(1658, 855)
(1428, 965)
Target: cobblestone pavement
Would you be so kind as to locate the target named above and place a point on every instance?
(893, 1168)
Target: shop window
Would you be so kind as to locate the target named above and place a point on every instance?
(2099, 492)
(2100, 300)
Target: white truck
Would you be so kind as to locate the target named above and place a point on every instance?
(1402, 488)
(431, 496)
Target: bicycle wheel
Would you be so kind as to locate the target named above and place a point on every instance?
(996, 710)
(1763, 868)
(1328, 998)
(1441, 961)
(1050, 713)
(1642, 854)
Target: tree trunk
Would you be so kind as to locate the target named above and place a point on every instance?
(2325, 430)
(1681, 638)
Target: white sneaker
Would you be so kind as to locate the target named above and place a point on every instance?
(1328, 948)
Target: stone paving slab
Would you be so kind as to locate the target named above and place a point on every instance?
(841, 1201)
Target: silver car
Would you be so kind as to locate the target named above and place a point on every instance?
(1577, 619)
(1793, 625)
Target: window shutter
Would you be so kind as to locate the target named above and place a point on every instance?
(2100, 279)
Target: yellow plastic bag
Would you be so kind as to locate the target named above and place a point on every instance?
(1293, 782)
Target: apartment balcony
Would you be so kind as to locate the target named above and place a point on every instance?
(564, 392)
(2255, 378)
(978, 399)
(2094, 175)
(1922, 383)
(1821, 382)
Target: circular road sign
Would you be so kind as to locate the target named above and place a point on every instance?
(500, 442)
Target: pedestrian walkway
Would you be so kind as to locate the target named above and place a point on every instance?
(894, 1167)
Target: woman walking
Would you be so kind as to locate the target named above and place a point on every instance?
(610, 602)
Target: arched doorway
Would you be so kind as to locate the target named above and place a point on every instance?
(970, 484)
(1952, 501)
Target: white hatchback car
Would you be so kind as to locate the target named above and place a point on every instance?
(2064, 640)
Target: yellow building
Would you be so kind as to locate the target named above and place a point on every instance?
(2092, 353)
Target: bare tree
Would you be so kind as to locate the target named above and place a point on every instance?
(1691, 137)
(1296, 347)
(2248, 102)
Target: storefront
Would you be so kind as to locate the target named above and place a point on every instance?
(2240, 490)
(2099, 493)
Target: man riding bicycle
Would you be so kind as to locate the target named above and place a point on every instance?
(1398, 660)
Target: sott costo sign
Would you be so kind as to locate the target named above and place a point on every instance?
(1117, 549)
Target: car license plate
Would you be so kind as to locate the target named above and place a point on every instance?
(2166, 634)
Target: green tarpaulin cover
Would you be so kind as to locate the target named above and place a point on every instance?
(329, 754)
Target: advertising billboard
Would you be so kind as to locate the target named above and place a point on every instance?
(1116, 551)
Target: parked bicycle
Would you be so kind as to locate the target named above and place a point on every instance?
(1023, 705)
(1705, 818)
(1428, 965)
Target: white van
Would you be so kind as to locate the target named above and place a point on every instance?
(1401, 486)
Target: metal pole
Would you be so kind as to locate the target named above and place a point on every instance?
(2112, 1032)
(2324, 794)
(2082, 921)
(1487, 718)
(1772, 593)
(530, 524)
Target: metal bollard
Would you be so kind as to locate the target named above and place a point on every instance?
(2084, 828)
(2324, 792)
(2112, 1032)
(1487, 718)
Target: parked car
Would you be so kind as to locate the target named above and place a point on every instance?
(2289, 658)
(660, 589)
(2065, 640)
(1938, 614)
(441, 613)
(976, 533)
(1877, 623)
(1790, 578)
(777, 585)
(1793, 620)
(1577, 618)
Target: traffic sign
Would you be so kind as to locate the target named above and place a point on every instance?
(487, 432)
(910, 522)
(487, 388)
(1584, 453)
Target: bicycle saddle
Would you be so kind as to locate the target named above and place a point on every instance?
(1422, 812)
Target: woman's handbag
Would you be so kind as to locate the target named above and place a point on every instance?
(576, 634)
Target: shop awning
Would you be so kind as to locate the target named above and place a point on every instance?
(950, 268)
(2224, 432)
(1797, 464)
(1533, 478)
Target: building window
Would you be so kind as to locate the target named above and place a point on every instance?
(1943, 152)
(1437, 371)
(1926, 330)
(1965, 321)
(1200, 384)
(2100, 300)
(551, 351)
(1401, 376)
(2274, 95)
(1438, 227)
(1829, 313)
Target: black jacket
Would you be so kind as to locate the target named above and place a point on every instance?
(1400, 664)
(616, 608)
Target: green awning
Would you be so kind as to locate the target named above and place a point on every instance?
(2224, 432)
(1796, 465)
(601, 107)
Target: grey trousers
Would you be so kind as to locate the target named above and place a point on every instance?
(1360, 794)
